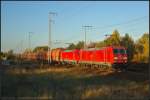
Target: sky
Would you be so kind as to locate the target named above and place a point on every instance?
(19, 18)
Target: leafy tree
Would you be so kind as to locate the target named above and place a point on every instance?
(100, 44)
(40, 48)
(80, 45)
(10, 55)
(91, 45)
(10, 52)
(142, 48)
(113, 40)
(1, 55)
(71, 46)
(128, 42)
(27, 51)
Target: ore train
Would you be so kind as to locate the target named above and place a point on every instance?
(106, 56)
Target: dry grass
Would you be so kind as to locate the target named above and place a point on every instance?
(19, 71)
(74, 83)
(134, 91)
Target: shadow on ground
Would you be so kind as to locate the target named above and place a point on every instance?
(63, 86)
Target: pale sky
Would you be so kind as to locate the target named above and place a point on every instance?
(18, 18)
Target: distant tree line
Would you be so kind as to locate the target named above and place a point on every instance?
(137, 51)
(7, 55)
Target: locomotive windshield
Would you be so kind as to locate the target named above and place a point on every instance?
(122, 51)
(115, 51)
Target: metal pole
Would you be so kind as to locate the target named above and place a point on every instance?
(50, 42)
(30, 40)
(85, 40)
(106, 48)
(21, 49)
(85, 27)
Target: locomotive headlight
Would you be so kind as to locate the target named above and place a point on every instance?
(115, 58)
(124, 57)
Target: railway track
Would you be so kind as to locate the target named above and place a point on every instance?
(138, 67)
(131, 67)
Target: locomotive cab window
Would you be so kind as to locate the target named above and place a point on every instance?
(122, 51)
(115, 51)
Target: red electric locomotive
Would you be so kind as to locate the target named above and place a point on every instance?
(108, 56)
(104, 56)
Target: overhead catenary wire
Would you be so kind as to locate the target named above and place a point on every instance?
(125, 29)
(108, 26)
(122, 23)
(19, 46)
(85, 30)
(112, 25)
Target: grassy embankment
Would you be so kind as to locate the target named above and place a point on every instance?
(72, 84)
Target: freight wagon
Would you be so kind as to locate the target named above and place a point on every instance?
(41, 56)
(29, 56)
(55, 55)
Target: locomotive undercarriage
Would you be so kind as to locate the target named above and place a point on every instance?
(121, 66)
(100, 65)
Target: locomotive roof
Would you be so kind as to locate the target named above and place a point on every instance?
(118, 47)
(70, 50)
(114, 47)
(89, 49)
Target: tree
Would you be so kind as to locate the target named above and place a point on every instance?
(1, 55)
(10, 52)
(100, 44)
(71, 46)
(91, 45)
(80, 45)
(128, 42)
(142, 48)
(40, 48)
(10, 55)
(113, 40)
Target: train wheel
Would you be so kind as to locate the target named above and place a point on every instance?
(90, 65)
(84, 65)
(100, 66)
